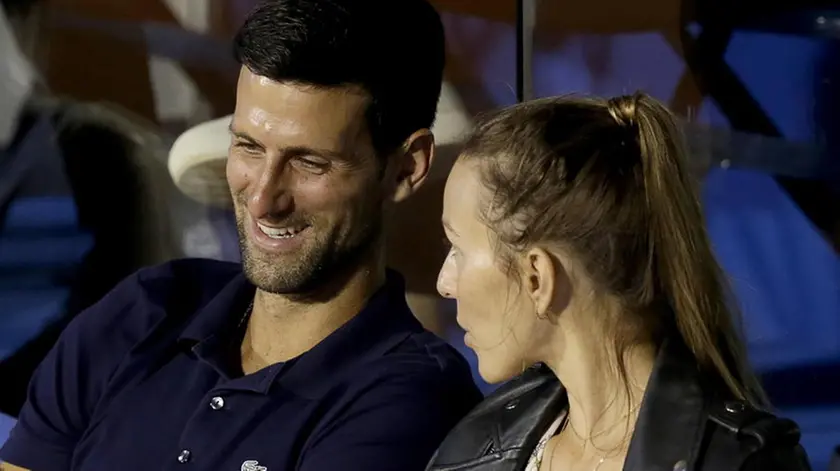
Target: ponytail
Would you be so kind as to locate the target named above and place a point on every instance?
(682, 266)
(608, 182)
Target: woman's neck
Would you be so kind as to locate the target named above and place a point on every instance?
(602, 407)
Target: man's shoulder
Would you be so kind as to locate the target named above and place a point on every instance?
(421, 351)
(422, 384)
(173, 289)
(424, 362)
(198, 276)
(193, 279)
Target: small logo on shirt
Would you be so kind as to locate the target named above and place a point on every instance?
(252, 465)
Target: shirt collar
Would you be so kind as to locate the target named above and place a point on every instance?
(381, 325)
(222, 313)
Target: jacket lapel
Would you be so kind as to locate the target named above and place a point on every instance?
(672, 418)
(521, 422)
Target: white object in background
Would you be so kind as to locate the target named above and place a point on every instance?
(17, 77)
(452, 125)
(452, 122)
(197, 162)
(177, 99)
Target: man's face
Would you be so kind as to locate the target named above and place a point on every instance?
(305, 182)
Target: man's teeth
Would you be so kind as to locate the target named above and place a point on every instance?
(280, 232)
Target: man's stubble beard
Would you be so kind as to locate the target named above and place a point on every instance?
(324, 258)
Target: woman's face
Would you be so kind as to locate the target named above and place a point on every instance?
(497, 314)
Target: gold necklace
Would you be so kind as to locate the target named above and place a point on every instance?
(602, 432)
(567, 423)
(551, 459)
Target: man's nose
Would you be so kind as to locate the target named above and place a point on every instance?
(271, 193)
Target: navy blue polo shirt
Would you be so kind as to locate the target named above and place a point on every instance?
(145, 380)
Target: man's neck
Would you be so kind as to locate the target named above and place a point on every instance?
(281, 328)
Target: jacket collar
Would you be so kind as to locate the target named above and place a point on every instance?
(672, 419)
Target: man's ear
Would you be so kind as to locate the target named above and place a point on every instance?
(412, 163)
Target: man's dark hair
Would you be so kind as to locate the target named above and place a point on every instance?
(392, 49)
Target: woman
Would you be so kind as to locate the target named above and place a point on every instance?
(578, 246)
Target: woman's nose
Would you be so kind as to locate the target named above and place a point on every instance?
(446, 279)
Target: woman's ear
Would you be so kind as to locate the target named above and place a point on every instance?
(546, 282)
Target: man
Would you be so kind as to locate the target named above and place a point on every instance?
(307, 357)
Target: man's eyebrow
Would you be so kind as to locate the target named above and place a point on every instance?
(292, 150)
(241, 135)
(314, 151)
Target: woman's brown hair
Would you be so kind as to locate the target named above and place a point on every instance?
(607, 181)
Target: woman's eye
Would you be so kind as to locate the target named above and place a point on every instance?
(450, 248)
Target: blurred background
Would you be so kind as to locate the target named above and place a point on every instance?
(94, 185)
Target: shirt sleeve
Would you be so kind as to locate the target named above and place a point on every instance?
(67, 384)
(395, 426)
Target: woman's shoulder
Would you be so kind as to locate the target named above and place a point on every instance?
(536, 383)
(506, 425)
(755, 438)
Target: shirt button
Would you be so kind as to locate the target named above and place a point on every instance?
(217, 403)
(184, 456)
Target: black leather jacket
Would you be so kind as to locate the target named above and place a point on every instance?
(680, 427)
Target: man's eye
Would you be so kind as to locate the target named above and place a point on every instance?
(248, 147)
(312, 164)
